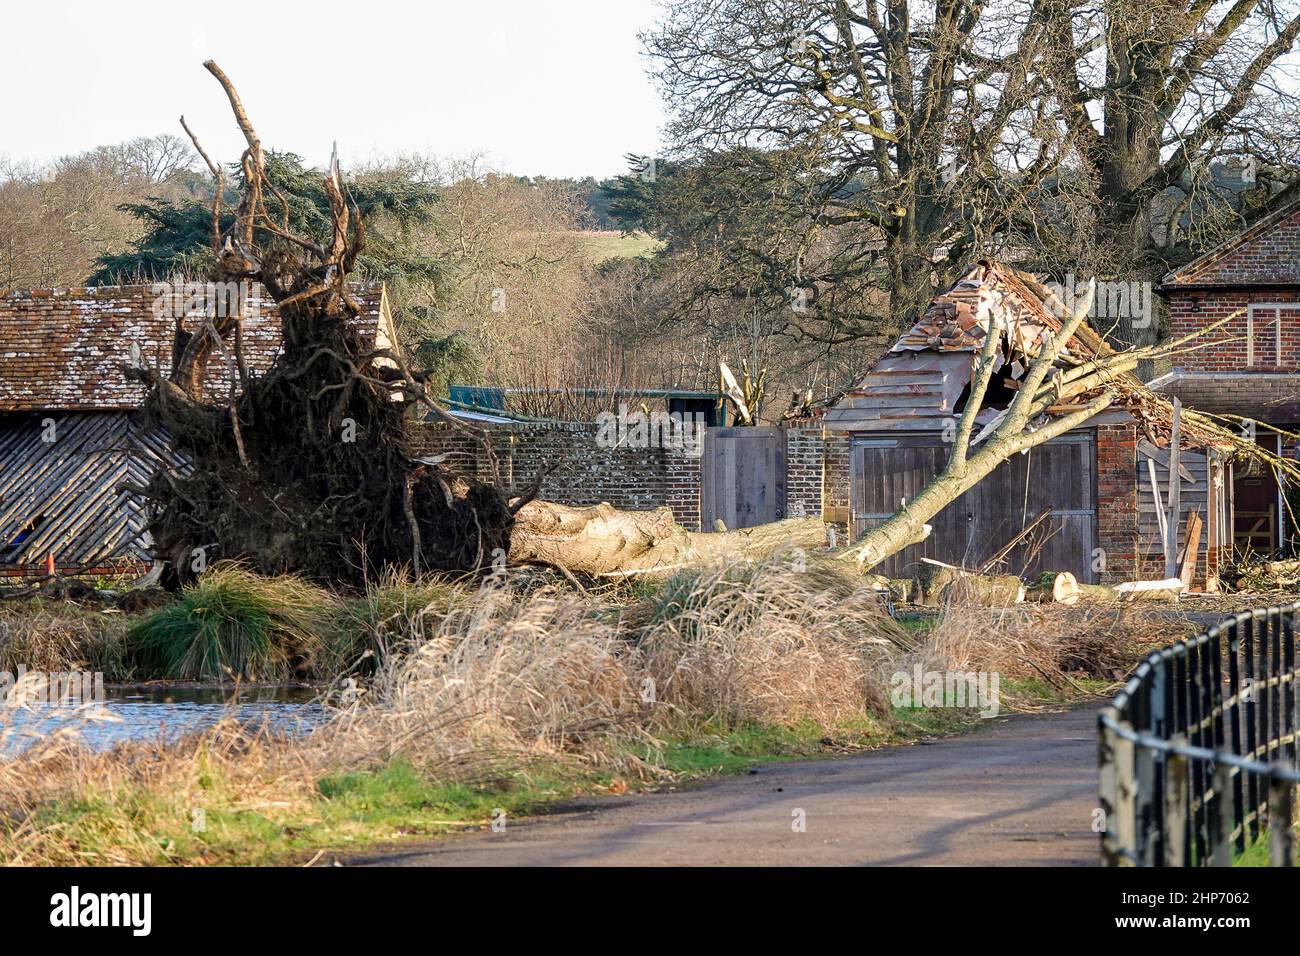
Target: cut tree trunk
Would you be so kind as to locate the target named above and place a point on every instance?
(1060, 588)
(1096, 594)
(604, 541)
(1167, 590)
(1064, 588)
(942, 583)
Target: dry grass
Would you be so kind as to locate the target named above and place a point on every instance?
(512, 676)
(475, 686)
(501, 680)
(485, 688)
(1049, 642)
(48, 635)
(767, 642)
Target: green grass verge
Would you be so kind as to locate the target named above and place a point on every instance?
(355, 810)
(1257, 853)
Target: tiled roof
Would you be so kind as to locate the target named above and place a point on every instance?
(920, 382)
(66, 348)
(1265, 253)
(957, 321)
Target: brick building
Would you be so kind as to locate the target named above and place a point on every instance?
(1249, 370)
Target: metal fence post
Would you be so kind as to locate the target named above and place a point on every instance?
(1107, 795)
(1148, 809)
(1125, 800)
(1220, 817)
(1281, 821)
(1176, 792)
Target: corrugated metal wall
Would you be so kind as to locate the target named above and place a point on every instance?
(59, 477)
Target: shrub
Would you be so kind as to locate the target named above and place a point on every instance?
(236, 624)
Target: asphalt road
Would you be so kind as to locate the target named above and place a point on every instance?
(1019, 790)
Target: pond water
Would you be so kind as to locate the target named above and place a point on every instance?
(153, 713)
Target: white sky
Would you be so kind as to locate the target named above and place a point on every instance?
(542, 87)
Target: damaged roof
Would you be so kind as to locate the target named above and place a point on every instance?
(66, 348)
(1022, 308)
(920, 383)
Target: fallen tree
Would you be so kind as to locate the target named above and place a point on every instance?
(603, 541)
(305, 467)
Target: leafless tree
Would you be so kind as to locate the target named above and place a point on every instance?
(1044, 130)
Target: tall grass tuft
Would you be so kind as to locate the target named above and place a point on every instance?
(775, 641)
(395, 612)
(233, 624)
(499, 681)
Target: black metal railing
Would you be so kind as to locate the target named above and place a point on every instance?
(1198, 751)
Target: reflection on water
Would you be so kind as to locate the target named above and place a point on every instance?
(153, 713)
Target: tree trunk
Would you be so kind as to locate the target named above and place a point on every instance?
(604, 541)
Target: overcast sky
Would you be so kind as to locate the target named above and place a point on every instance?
(549, 87)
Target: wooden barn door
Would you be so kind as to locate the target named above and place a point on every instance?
(742, 476)
(1058, 476)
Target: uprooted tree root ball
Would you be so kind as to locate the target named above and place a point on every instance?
(306, 467)
(326, 484)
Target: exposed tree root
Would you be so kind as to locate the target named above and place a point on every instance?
(305, 468)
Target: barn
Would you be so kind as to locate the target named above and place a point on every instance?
(71, 426)
(1251, 374)
(1092, 490)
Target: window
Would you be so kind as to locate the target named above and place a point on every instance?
(1264, 334)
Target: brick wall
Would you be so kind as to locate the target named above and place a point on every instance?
(1117, 500)
(1192, 310)
(805, 450)
(835, 482)
(585, 473)
(635, 479)
(37, 570)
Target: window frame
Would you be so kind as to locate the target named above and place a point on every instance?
(1252, 359)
